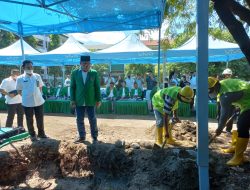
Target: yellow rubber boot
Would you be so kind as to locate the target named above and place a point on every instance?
(171, 140)
(233, 143)
(240, 148)
(159, 135)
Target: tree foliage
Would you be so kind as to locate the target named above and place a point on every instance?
(32, 41)
(6, 38)
(54, 42)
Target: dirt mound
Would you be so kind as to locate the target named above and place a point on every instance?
(52, 164)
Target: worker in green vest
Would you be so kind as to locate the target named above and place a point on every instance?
(165, 102)
(233, 92)
(85, 96)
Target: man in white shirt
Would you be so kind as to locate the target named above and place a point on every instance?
(29, 85)
(193, 86)
(13, 99)
(67, 80)
(129, 82)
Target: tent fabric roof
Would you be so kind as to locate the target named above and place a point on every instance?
(16, 50)
(131, 43)
(30, 17)
(70, 46)
(218, 51)
(12, 55)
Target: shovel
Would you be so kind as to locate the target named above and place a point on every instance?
(215, 135)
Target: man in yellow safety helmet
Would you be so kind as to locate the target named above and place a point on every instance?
(233, 92)
(165, 102)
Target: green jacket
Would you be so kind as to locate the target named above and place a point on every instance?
(64, 91)
(236, 85)
(132, 93)
(85, 94)
(47, 92)
(158, 98)
(114, 91)
(126, 92)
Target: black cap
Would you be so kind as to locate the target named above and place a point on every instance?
(85, 58)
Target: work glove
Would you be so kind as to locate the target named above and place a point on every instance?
(175, 120)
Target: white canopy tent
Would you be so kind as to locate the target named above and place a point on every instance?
(99, 40)
(130, 50)
(218, 51)
(71, 49)
(12, 55)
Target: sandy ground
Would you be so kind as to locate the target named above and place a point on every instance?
(111, 127)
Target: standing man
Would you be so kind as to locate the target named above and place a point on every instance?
(129, 82)
(29, 85)
(151, 81)
(13, 99)
(233, 92)
(85, 95)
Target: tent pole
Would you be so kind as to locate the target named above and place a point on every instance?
(164, 69)
(202, 93)
(20, 31)
(159, 52)
(63, 74)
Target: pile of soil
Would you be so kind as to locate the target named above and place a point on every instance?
(53, 164)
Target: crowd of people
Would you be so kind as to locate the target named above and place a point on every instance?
(25, 96)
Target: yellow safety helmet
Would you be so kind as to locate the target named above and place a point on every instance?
(186, 94)
(212, 82)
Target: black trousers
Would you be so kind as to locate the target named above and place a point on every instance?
(29, 113)
(243, 124)
(12, 110)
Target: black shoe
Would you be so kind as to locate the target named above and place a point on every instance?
(42, 136)
(94, 141)
(33, 138)
(79, 140)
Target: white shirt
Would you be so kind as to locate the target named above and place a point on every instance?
(108, 80)
(9, 84)
(84, 76)
(193, 82)
(136, 92)
(111, 94)
(66, 81)
(139, 82)
(123, 92)
(130, 83)
(68, 91)
(30, 87)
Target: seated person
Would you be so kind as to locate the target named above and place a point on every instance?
(111, 91)
(47, 91)
(123, 92)
(136, 92)
(66, 90)
(58, 90)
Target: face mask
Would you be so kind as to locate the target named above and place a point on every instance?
(67, 85)
(59, 86)
(29, 72)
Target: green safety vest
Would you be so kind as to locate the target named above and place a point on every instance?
(158, 98)
(236, 85)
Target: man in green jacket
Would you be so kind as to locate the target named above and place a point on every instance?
(237, 93)
(136, 92)
(123, 92)
(85, 95)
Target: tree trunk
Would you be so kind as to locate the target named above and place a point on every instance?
(225, 10)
